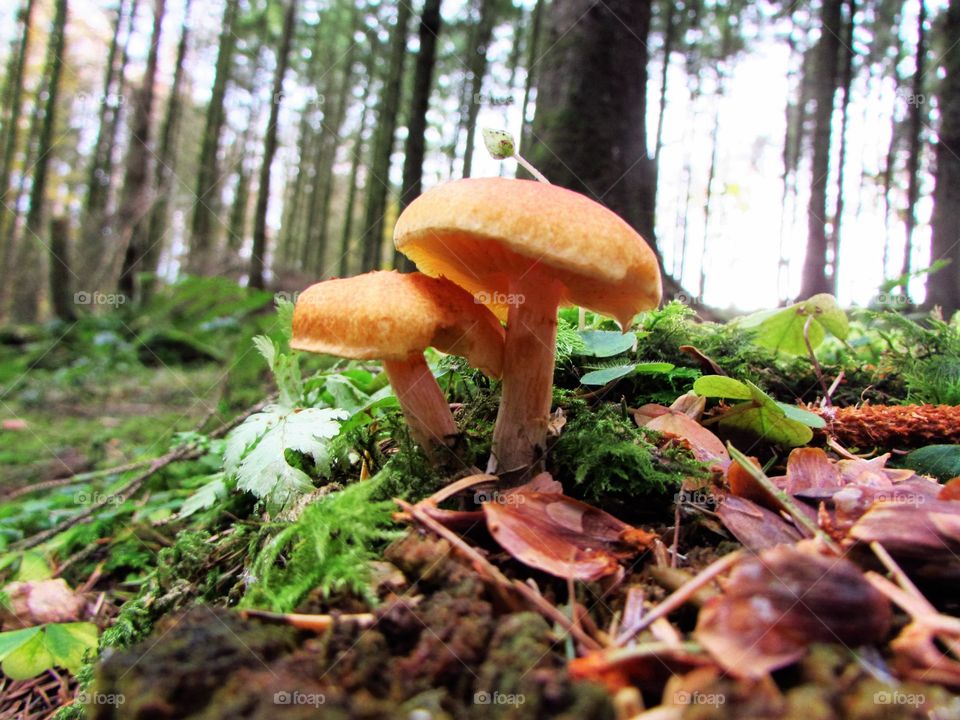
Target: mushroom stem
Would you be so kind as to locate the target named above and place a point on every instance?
(424, 406)
(529, 350)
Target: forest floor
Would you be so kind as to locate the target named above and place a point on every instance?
(199, 524)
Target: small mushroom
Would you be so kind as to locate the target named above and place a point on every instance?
(394, 317)
(524, 248)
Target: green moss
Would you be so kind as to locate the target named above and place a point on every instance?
(610, 459)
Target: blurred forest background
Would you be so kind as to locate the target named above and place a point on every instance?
(770, 150)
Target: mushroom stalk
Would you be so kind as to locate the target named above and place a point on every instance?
(519, 437)
(424, 406)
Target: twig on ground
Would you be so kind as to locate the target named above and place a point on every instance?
(183, 452)
(486, 568)
(680, 596)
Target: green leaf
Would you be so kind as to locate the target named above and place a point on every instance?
(654, 368)
(806, 417)
(764, 417)
(205, 497)
(67, 643)
(11, 640)
(606, 375)
(29, 659)
(33, 566)
(256, 451)
(939, 461)
(718, 386)
(782, 330)
(605, 343)
(27, 653)
(285, 368)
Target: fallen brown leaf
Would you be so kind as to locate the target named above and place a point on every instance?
(778, 603)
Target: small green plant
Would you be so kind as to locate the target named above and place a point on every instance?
(329, 547)
(31, 651)
(759, 414)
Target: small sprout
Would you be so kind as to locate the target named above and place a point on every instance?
(501, 146)
(499, 143)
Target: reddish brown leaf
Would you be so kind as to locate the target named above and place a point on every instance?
(705, 446)
(810, 473)
(950, 490)
(755, 527)
(776, 604)
(41, 601)
(559, 535)
(648, 666)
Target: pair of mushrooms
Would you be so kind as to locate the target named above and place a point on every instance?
(489, 250)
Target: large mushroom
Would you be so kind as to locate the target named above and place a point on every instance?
(394, 317)
(524, 248)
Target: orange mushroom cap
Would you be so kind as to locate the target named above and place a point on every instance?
(387, 315)
(481, 233)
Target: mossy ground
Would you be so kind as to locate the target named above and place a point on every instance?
(93, 402)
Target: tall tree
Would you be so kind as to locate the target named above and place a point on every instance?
(136, 182)
(258, 255)
(378, 181)
(533, 60)
(477, 70)
(415, 147)
(846, 85)
(590, 125)
(915, 149)
(100, 169)
(165, 167)
(815, 265)
(12, 104)
(27, 282)
(207, 201)
(943, 287)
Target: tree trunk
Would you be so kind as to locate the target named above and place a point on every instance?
(378, 182)
(815, 279)
(943, 287)
(330, 144)
(846, 83)
(165, 168)
(100, 171)
(136, 182)
(12, 101)
(346, 237)
(204, 221)
(533, 60)
(27, 280)
(415, 148)
(62, 301)
(478, 69)
(669, 37)
(916, 106)
(259, 252)
(590, 124)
